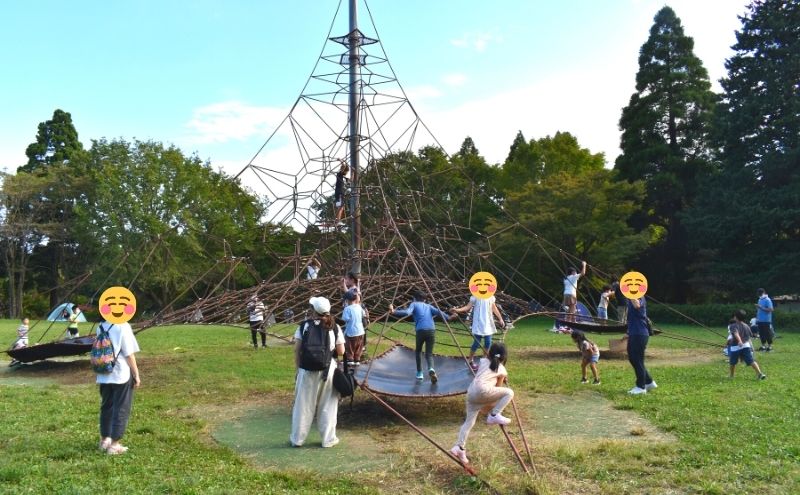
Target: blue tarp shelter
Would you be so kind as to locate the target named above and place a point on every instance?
(57, 313)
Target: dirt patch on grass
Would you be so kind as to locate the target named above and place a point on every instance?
(65, 371)
(384, 451)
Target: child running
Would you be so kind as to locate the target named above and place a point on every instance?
(423, 314)
(590, 355)
(485, 394)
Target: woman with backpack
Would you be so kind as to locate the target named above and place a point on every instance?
(590, 355)
(318, 342)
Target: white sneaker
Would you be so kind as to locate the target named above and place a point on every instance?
(637, 391)
(650, 386)
(333, 443)
(459, 454)
(497, 419)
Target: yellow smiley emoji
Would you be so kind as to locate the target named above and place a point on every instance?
(633, 285)
(483, 285)
(117, 305)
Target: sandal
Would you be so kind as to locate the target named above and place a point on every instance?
(104, 444)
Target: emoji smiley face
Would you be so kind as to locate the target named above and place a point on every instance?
(633, 285)
(482, 285)
(117, 305)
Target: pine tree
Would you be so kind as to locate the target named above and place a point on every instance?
(747, 217)
(56, 143)
(665, 142)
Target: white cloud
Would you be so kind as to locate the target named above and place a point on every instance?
(456, 79)
(476, 41)
(231, 121)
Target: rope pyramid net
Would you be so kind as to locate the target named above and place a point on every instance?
(413, 209)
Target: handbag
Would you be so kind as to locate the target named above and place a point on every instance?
(344, 383)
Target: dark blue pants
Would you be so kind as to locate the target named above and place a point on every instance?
(427, 337)
(115, 408)
(636, 347)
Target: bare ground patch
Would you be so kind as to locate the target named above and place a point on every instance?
(384, 452)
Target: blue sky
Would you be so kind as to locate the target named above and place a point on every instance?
(215, 77)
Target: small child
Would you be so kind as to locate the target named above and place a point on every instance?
(590, 355)
(353, 316)
(485, 394)
(22, 338)
(740, 345)
(602, 307)
(338, 192)
(72, 328)
(425, 330)
(350, 283)
(313, 270)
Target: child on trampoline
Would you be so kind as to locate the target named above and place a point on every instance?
(485, 394)
(590, 355)
(423, 315)
(483, 313)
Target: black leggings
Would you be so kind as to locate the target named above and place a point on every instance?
(255, 326)
(636, 347)
(427, 337)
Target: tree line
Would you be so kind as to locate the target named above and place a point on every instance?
(704, 198)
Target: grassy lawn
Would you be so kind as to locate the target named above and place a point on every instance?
(209, 401)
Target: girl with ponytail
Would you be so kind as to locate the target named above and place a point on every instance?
(486, 394)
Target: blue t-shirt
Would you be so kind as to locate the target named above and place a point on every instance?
(761, 315)
(637, 318)
(352, 316)
(422, 313)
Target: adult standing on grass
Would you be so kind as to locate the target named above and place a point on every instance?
(316, 339)
(117, 306)
(638, 336)
(255, 313)
(633, 286)
(740, 345)
(764, 309)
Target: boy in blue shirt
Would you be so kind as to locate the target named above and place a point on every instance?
(764, 320)
(423, 314)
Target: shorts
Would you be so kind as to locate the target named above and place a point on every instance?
(570, 300)
(745, 352)
(338, 203)
(593, 359)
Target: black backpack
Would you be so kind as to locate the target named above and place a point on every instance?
(315, 348)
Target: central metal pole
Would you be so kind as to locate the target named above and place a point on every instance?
(354, 39)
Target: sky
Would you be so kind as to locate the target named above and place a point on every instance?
(214, 78)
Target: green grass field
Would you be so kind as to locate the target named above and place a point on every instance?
(212, 417)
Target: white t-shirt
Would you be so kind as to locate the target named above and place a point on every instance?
(125, 344)
(603, 300)
(571, 284)
(312, 272)
(339, 335)
(482, 317)
(485, 378)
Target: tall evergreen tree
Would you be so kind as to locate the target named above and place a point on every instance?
(747, 217)
(56, 143)
(665, 142)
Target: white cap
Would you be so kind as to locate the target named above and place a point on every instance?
(321, 305)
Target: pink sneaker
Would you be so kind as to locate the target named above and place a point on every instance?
(497, 419)
(459, 454)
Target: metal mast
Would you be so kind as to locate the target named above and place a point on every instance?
(354, 44)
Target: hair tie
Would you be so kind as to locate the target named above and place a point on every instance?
(497, 355)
